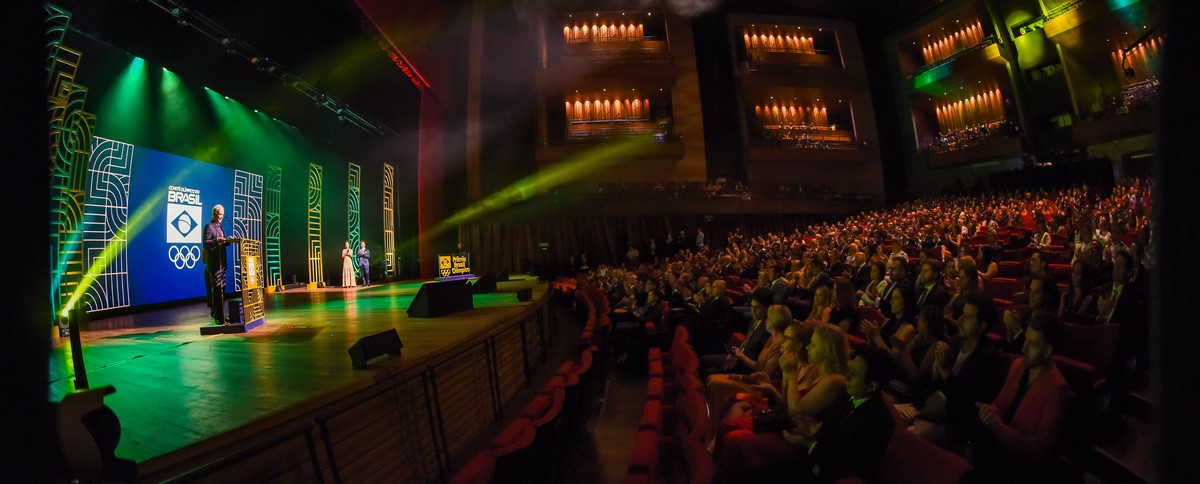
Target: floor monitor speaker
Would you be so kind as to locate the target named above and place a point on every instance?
(485, 284)
(374, 346)
(440, 298)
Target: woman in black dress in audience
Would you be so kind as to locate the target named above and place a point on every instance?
(1077, 304)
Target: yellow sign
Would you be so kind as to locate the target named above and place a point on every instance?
(454, 264)
(251, 275)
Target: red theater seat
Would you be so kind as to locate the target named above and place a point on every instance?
(479, 470)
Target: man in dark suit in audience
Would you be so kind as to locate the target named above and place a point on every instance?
(898, 271)
(1121, 303)
(779, 286)
(712, 307)
(930, 290)
(853, 437)
(860, 274)
(752, 346)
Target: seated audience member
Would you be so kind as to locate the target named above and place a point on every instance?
(779, 286)
(930, 290)
(1043, 294)
(845, 311)
(851, 440)
(915, 359)
(989, 260)
(1037, 268)
(896, 331)
(809, 390)
(627, 333)
(1119, 300)
(898, 271)
(964, 373)
(1041, 236)
(722, 387)
(743, 359)
(1121, 303)
(1023, 421)
(1015, 321)
(860, 272)
(711, 307)
(869, 295)
(822, 303)
(1077, 304)
(969, 285)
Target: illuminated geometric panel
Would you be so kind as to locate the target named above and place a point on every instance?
(316, 272)
(353, 194)
(271, 223)
(70, 149)
(105, 225)
(247, 213)
(389, 220)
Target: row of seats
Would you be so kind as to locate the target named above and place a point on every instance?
(670, 434)
(534, 445)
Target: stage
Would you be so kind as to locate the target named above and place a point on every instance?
(175, 388)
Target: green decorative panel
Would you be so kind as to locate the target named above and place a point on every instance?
(389, 219)
(271, 227)
(316, 272)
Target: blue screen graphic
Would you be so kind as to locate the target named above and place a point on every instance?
(170, 200)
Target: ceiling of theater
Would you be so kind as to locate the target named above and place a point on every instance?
(325, 43)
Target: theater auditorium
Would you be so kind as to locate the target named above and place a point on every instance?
(916, 241)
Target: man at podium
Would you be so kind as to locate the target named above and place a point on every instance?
(214, 264)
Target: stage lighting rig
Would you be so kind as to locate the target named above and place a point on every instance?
(209, 28)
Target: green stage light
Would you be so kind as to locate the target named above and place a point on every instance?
(602, 157)
(124, 113)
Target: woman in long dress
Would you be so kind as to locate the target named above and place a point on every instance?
(347, 266)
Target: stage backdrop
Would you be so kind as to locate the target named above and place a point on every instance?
(170, 198)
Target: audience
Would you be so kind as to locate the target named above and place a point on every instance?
(1023, 422)
(785, 400)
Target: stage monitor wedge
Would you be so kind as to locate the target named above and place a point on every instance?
(441, 298)
(370, 347)
(485, 284)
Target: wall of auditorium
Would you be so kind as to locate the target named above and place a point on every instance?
(685, 101)
(148, 107)
(1059, 68)
(815, 67)
(653, 61)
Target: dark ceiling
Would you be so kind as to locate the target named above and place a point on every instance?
(319, 41)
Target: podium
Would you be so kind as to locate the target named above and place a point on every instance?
(247, 312)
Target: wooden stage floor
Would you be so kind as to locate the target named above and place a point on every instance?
(175, 387)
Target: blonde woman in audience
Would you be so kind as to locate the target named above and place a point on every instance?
(808, 391)
(723, 387)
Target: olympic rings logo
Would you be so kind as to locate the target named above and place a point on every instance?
(184, 255)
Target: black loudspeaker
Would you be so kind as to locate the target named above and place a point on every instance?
(526, 294)
(485, 284)
(502, 276)
(440, 298)
(233, 310)
(370, 347)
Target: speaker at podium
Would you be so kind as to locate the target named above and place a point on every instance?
(441, 298)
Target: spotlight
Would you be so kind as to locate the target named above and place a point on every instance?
(182, 22)
(1129, 74)
(176, 12)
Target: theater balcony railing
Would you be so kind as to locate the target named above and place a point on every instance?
(993, 149)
